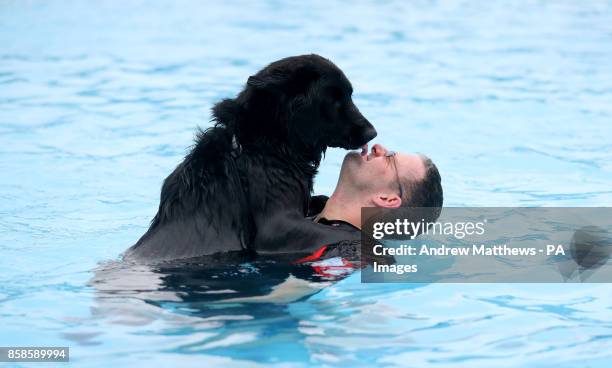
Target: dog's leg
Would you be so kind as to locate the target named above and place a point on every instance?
(289, 232)
(316, 204)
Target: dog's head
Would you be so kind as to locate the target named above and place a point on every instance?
(305, 101)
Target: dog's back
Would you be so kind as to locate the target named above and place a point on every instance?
(202, 208)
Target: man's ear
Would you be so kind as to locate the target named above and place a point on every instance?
(387, 200)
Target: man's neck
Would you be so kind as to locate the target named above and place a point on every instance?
(338, 208)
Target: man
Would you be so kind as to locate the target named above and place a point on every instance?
(382, 179)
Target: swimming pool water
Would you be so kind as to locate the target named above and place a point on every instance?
(99, 102)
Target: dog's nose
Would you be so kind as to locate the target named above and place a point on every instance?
(369, 133)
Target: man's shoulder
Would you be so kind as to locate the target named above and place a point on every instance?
(349, 249)
(336, 223)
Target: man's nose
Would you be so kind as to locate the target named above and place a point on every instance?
(378, 150)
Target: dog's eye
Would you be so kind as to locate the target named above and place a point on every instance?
(337, 105)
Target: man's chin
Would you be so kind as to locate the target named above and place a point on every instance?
(351, 171)
(351, 164)
(353, 158)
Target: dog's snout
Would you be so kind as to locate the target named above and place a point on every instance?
(370, 133)
(367, 129)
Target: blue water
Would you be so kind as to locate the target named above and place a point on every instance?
(99, 102)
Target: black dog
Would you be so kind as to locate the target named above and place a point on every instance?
(246, 183)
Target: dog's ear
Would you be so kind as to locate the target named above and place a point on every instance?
(273, 82)
(291, 83)
(226, 112)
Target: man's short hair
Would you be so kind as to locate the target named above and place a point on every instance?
(426, 192)
(421, 201)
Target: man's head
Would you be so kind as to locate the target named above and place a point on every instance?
(385, 180)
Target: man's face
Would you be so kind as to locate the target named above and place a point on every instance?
(374, 173)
